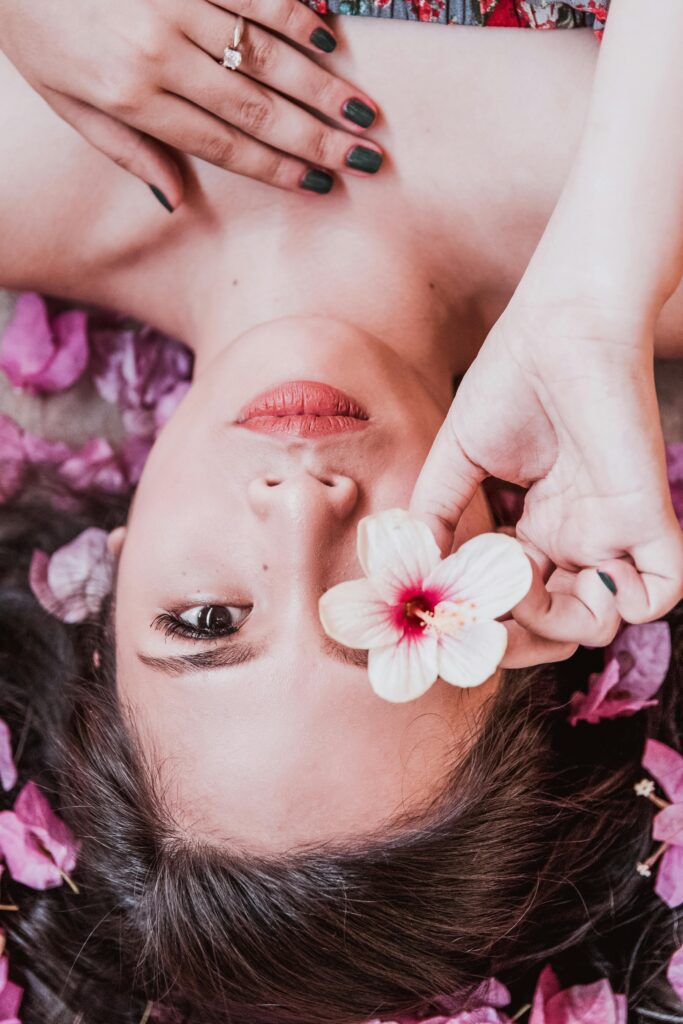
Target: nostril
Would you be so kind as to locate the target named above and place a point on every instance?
(327, 482)
(273, 483)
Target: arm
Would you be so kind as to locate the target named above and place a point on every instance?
(568, 368)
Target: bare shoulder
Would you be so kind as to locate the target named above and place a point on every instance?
(61, 202)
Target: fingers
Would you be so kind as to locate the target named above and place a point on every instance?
(283, 68)
(127, 147)
(445, 486)
(652, 586)
(574, 608)
(182, 125)
(525, 649)
(290, 19)
(263, 114)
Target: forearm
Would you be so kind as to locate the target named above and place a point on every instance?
(616, 236)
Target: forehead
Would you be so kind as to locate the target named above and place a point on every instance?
(294, 750)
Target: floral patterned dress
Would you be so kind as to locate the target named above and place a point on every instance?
(543, 14)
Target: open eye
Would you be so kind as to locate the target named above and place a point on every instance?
(204, 621)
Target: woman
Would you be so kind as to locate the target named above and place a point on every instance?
(311, 864)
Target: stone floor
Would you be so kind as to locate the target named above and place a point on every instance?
(79, 414)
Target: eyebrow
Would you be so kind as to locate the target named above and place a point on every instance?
(239, 652)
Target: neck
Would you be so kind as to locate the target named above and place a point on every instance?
(380, 288)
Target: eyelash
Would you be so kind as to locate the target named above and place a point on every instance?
(172, 625)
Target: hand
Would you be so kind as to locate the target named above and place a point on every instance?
(565, 406)
(134, 74)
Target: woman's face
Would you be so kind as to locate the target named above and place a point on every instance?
(272, 738)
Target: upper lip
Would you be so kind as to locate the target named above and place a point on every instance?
(305, 398)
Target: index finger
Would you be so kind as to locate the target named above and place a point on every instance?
(446, 485)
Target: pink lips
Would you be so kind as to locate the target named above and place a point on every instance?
(303, 408)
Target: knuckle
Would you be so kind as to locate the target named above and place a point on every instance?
(262, 55)
(292, 19)
(320, 91)
(254, 116)
(151, 41)
(220, 149)
(320, 147)
(275, 169)
(125, 96)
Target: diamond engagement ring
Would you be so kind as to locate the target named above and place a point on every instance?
(232, 55)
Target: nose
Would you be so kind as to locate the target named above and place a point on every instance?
(304, 496)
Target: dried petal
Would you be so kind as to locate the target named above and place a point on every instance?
(39, 355)
(73, 583)
(8, 771)
(37, 846)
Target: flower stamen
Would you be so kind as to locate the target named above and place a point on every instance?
(644, 868)
(448, 618)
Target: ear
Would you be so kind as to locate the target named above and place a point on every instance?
(115, 541)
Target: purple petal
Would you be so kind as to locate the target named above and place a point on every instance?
(547, 986)
(26, 860)
(70, 356)
(581, 1004)
(12, 460)
(675, 973)
(34, 811)
(8, 771)
(11, 995)
(94, 466)
(169, 402)
(667, 826)
(669, 884)
(39, 451)
(41, 357)
(643, 653)
(666, 766)
(674, 465)
(27, 344)
(133, 454)
(587, 707)
(73, 583)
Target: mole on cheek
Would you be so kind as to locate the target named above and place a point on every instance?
(264, 567)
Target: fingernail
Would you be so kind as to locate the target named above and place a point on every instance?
(158, 194)
(317, 181)
(358, 112)
(324, 40)
(608, 581)
(360, 158)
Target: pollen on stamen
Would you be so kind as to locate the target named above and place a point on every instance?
(448, 618)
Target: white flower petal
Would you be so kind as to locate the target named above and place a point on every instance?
(404, 671)
(353, 614)
(471, 656)
(490, 570)
(396, 551)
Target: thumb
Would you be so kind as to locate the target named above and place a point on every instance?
(446, 485)
(136, 152)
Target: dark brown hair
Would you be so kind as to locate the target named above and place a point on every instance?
(527, 856)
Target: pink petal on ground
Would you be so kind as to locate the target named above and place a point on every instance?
(8, 771)
(12, 459)
(40, 451)
(95, 465)
(11, 995)
(70, 356)
(581, 1004)
(133, 455)
(73, 583)
(26, 861)
(27, 344)
(33, 809)
(490, 570)
(675, 973)
(644, 654)
(41, 357)
(666, 766)
(674, 465)
(669, 884)
(667, 826)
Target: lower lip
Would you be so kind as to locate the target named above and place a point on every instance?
(303, 408)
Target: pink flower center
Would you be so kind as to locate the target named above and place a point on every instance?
(411, 608)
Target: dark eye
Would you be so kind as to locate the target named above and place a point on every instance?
(204, 621)
(214, 619)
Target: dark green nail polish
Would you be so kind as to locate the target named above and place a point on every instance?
(608, 581)
(324, 40)
(158, 194)
(317, 181)
(360, 158)
(358, 112)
